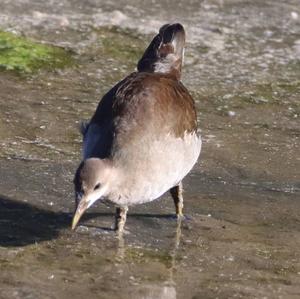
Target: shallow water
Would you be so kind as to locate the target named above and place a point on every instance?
(241, 237)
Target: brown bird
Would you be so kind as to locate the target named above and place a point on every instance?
(142, 140)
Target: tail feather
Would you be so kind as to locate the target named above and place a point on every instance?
(165, 52)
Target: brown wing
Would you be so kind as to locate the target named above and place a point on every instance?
(153, 103)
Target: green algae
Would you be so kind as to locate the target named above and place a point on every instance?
(22, 55)
(114, 52)
(123, 45)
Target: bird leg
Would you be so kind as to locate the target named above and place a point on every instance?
(176, 193)
(121, 213)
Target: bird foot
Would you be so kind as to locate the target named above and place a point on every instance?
(181, 217)
(121, 233)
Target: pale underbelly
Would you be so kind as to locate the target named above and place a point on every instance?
(157, 168)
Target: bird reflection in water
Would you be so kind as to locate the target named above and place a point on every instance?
(166, 289)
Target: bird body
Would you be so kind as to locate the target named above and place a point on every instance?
(142, 140)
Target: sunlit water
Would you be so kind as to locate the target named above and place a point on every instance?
(241, 237)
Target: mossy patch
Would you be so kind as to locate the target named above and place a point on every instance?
(118, 49)
(123, 45)
(25, 56)
(116, 52)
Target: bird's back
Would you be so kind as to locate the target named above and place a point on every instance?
(143, 104)
(152, 105)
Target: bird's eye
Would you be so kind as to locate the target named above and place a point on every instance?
(97, 186)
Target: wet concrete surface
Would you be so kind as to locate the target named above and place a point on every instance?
(241, 236)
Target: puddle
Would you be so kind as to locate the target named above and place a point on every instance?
(241, 237)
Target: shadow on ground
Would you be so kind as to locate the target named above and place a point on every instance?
(23, 224)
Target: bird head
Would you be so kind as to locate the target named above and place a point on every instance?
(91, 183)
(165, 52)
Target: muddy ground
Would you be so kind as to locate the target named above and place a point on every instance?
(241, 236)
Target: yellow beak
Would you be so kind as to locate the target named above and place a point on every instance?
(83, 205)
